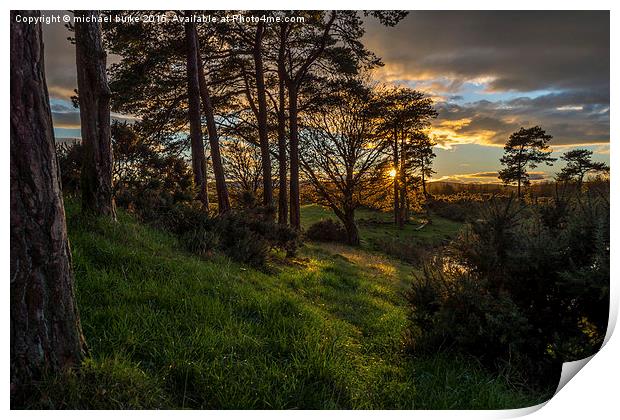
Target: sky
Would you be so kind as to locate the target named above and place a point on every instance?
(490, 73)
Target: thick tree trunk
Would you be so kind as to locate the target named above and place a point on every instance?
(263, 133)
(45, 325)
(282, 155)
(294, 192)
(353, 237)
(223, 200)
(199, 165)
(94, 99)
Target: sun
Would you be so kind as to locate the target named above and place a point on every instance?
(392, 173)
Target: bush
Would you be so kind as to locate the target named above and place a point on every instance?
(519, 285)
(327, 230)
(69, 156)
(460, 208)
(451, 307)
(244, 235)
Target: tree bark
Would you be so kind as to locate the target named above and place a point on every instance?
(94, 99)
(353, 237)
(223, 200)
(263, 133)
(295, 216)
(199, 165)
(282, 167)
(395, 162)
(46, 335)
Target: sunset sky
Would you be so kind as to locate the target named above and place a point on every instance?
(489, 72)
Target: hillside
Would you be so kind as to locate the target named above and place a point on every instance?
(166, 329)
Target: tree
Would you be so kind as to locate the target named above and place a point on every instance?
(94, 100)
(261, 113)
(327, 41)
(526, 148)
(578, 165)
(150, 81)
(406, 113)
(199, 164)
(282, 149)
(244, 167)
(46, 335)
(339, 151)
(422, 156)
(223, 200)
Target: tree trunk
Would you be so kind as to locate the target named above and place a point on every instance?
(353, 237)
(46, 335)
(263, 134)
(396, 183)
(403, 182)
(94, 99)
(282, 168)
(223, 201)
(199, 165)
(294, 150)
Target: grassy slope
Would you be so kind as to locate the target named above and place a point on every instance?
(167, 329)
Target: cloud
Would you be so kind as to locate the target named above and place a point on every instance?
(59, 59)
(573, 118)
(493, 72)
(509, 50)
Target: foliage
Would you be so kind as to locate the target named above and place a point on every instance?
(526, 148)
(454, 308)
(69, 156)
(460, 207)
(326, 230)
(534, 289)
(578, 164)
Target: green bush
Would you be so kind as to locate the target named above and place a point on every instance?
(326, 230)
(244, 235)
(453, 308)
(524, 284)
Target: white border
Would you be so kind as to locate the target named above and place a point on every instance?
(593, 394)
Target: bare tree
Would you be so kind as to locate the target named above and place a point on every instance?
(46, 335)
(244, 167)
(340, 151)
(94, 100)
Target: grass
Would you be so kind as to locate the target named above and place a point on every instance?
(166, 329)
(379, 233)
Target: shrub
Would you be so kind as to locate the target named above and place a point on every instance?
(244, 235)
(454, 308)
(461, 207)
(69, 156)
(327, 230)
(520, 285)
